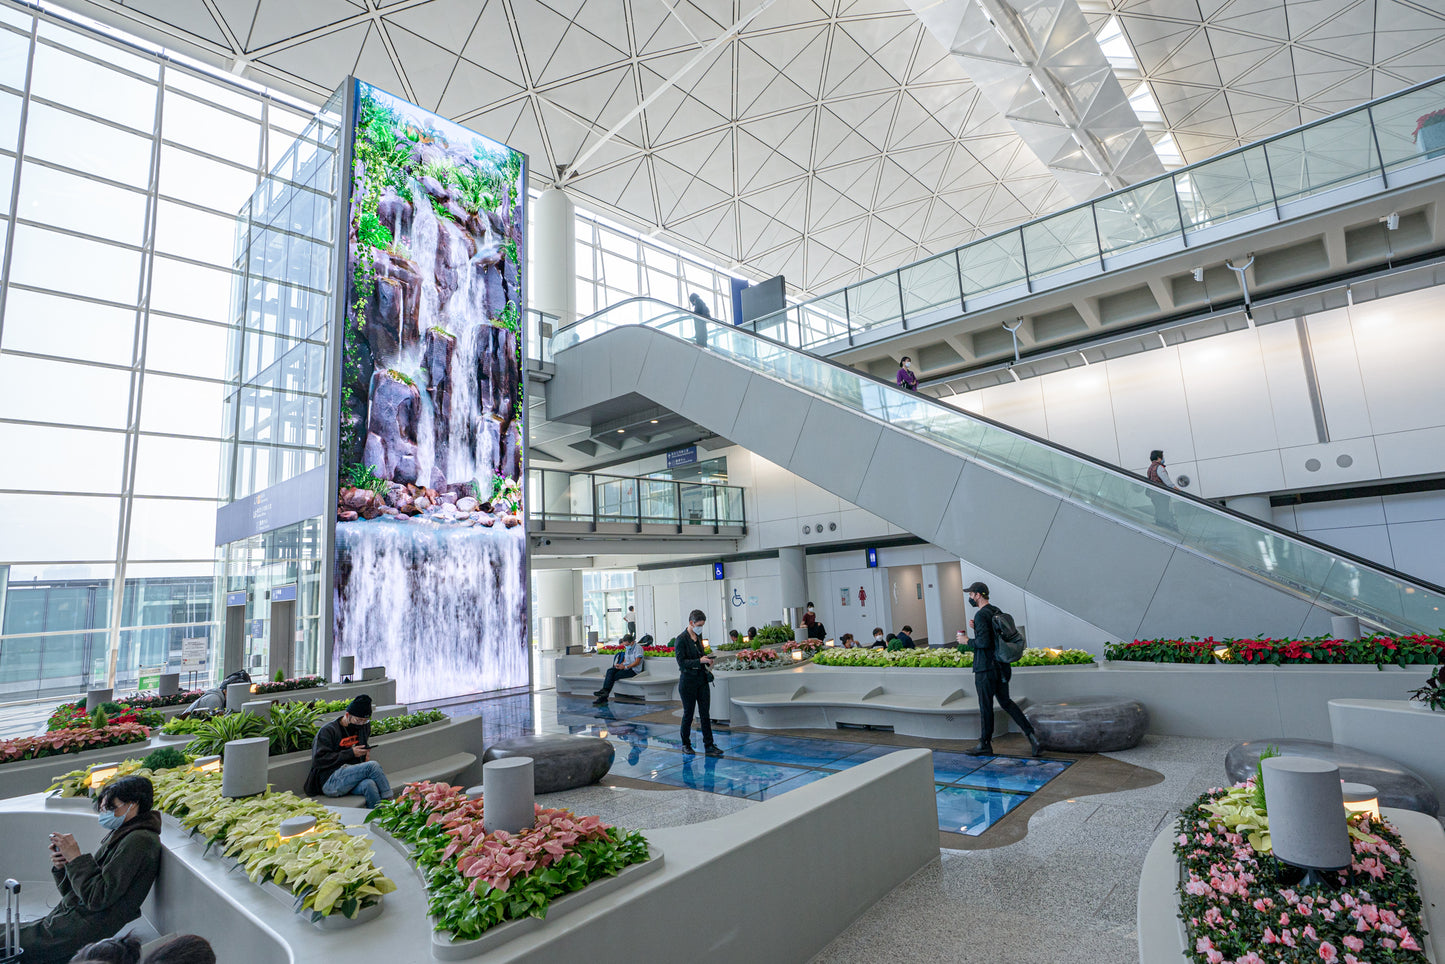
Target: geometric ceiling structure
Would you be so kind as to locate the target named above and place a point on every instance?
(1040, 64)
(827, 140)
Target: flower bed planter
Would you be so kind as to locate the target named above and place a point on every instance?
(1318, 651)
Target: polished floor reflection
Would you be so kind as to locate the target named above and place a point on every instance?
(972, 792)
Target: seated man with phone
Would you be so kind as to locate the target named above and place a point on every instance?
(627, 665)
(341, 758)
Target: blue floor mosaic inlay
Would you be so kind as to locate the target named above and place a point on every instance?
(973, 793)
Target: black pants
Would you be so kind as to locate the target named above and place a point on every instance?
(696, 693)
(992, 684)
(615, 673)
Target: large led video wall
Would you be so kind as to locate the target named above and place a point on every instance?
(431, 571)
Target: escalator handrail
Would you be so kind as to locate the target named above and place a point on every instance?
(1341, 554)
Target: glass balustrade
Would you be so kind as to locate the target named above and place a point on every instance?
(586, 497)
(1375, 146)
(1310, 570)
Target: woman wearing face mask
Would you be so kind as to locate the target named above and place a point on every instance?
(100, 893)
(694, 679)
(878, 640)
(906, 379)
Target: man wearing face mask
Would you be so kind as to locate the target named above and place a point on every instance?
(906, 379)
(100, 893)
(990, 675)
(693, 684)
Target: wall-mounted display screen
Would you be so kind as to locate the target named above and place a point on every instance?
(431, 566)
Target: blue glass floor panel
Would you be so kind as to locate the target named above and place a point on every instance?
(971, 810)
(972, 793)
(1013, 773)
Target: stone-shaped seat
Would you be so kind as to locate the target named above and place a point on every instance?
(559, 762)
(1398, 785)
(1093, 725)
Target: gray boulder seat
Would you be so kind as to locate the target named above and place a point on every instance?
(1089, 725)
(1398, 785)
(558, 762)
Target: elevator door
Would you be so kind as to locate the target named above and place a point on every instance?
(283, 637)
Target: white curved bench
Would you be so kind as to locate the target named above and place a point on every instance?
(651, 686)
(950, 716)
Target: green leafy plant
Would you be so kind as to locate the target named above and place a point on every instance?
(1318, 650)
(215, 733)
(772, 636)
(75, 740)
(402, 377)
(291, 727)
(363, 477)
(395, 724)
(190, 723)
(477, 880)
(1260, 803)
(1238, 902)
(164, 759)
(372, 233)
(327, 870)
(1432, 694)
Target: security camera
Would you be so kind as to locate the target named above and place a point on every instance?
(1392, 220)
(1198, 274)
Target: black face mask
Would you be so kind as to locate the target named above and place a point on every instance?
(973, 602)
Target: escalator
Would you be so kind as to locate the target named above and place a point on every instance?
(1086, 537)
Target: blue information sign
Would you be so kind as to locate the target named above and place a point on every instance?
(872, 558)
(237, 598)
(717, 570)
(283, 593)
(258, 628)
(685, 456)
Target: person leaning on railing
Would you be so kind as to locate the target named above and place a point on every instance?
(99, 893)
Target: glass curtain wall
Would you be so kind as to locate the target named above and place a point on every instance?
(606, 596)
(275, 407)
(121, 172)
(614, 264)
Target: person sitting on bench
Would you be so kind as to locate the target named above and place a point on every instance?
(627, 665)
(99, 894)
(341, 758)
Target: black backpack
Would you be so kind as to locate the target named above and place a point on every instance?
(1009, 640)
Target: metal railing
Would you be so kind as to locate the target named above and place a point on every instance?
(1349, 156)
(558, 496)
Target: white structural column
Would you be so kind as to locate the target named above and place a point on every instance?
(793, 578)
(553, 288)
(557, 594)
(933, 605)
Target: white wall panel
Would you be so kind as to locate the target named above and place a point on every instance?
(1415, 507)
(1150, 411)
(1370, 542)
(1359, 453)
(1019, 404)
(1229, 403)
(1417, 452)
(1236, 474)
(1340, 514)
(1080, 412)
(1400, 343)
(1294, 419)
(904, 583)
(1337, 368)
(1418, 551)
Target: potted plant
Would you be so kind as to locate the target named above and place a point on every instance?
(1430, 133)
(1431, 696)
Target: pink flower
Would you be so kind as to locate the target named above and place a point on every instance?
(1408, 943)
(1328, 953)
(1354, 943)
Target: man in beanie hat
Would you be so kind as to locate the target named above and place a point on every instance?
(341, 758)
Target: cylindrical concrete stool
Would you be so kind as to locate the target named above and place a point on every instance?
(261, 708)
(237, 694)
(508, 800)
(1345, 627)
(170, 684)
(348, 666)
(243, 767)
(94, 698)
(1306, 813)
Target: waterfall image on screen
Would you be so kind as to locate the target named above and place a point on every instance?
(431, 576)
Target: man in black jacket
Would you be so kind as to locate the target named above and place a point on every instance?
(693, 683)
(990, 675)
(341, 758)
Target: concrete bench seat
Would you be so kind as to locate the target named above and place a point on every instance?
(1089, 725)
(438, 771)
(950, 715)
(650, 686)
